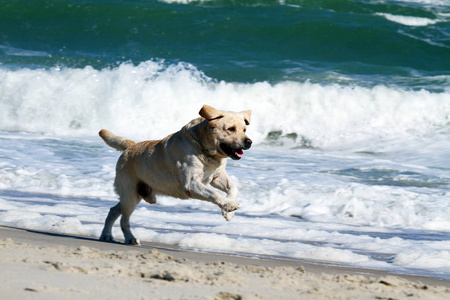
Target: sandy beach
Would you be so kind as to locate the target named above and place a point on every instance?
(40, 265)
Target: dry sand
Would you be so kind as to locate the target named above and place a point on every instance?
(38, 265)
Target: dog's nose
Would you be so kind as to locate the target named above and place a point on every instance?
(247, 143)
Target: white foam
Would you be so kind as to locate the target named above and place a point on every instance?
(407, 20)
(152, 100)
(430, 260)
(426, 2)
(21, 52)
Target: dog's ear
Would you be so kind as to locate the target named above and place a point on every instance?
(246, 114)
(210, 113)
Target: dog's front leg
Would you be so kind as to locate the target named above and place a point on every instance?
(224, 183)
(197, 190)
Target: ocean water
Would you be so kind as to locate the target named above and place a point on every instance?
(351, 122)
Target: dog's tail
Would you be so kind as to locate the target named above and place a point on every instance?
(117, 142)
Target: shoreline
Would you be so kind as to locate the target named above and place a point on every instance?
(42, 265)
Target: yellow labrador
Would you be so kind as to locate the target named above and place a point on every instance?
(181, 165)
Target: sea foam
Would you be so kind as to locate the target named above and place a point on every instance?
(153, 99)
(408, 20)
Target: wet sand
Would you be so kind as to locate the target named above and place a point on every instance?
(41, 265)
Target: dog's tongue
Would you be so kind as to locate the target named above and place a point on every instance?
(238, 152)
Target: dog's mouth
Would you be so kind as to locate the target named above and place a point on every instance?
(233, 153)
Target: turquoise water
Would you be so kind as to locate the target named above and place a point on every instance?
(404, 43)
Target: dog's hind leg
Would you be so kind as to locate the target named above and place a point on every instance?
(129, 203)
(113, 214)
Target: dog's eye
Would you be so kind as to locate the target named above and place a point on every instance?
(232, 129)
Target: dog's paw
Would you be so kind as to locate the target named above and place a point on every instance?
(132, 241)
(230, 206)
(228, 215)
(106, 238)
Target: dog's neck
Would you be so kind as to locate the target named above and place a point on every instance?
(209, 156)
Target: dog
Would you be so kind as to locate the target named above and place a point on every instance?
(181, 165)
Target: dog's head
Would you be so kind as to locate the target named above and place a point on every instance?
(226, 131)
